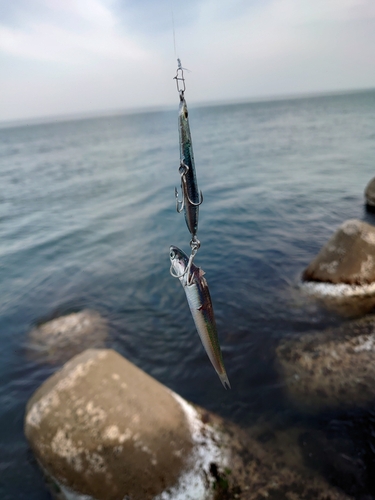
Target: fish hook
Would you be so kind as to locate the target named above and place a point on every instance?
(176, 275)
(179, 204)
(199, 202)
(183, 170)
(195, 245)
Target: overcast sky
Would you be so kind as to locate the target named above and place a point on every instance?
(78, 56)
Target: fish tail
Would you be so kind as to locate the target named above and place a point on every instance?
(224, 380)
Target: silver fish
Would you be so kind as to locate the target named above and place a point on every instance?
(199, 299)
(191, 197)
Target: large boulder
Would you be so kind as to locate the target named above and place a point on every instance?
(102, 429)
(59, 339)
(332, 369)
(348, 257)
(342, 275)
(370, 193)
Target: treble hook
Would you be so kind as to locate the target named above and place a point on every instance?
(176, 275)
(180, 204)
(194, 245)
(198, 203)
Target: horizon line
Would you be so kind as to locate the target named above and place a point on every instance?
(61, 118)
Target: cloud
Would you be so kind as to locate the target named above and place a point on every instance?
(280, 46)
(69, 32)
(75, 56)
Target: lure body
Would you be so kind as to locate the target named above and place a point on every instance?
(191, 197)
(199, 299)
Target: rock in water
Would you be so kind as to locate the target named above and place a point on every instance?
(102, 429)
(370, 193)
(348, 257)
(342, 275)
(61, 338)
(330, 369)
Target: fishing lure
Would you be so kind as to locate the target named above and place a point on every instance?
(199, 300)
(192, 198)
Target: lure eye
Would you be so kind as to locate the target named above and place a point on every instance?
(186, 114)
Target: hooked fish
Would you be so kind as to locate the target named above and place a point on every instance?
(199, 299)
(191, 197)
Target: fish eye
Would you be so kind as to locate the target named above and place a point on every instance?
(186, 113)
(172, 254)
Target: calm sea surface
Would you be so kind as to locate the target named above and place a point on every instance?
(87, 214)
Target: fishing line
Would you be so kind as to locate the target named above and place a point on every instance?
(174, 36)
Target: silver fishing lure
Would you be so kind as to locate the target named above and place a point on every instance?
(191, 196)
(199, 299)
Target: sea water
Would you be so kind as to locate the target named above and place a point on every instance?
(87, 215)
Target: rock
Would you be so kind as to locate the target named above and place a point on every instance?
(348, 257)
(343, 273)
(330, 369)
(102, 429)
(58, 340)
(370, 193)
(338, 459)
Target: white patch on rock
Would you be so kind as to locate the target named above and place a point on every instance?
(51, 400)
(330, 267)
(351, 227)
(340, 250)
(68, 494)
(337, 290)
(40, 409)
(139, 445)
(111, 433)
(367, 266)
(354, 226)
(97, 414)
(96, 462)
(192, 484)
(126, 436)
(369, 237)
(64, 447)
(366, 343)
(71, 378)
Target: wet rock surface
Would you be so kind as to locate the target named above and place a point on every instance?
(370, 193)
(101, 427)
(330, 369)
(347, 258)
(260, 470)
(59, 339)
(336, 459)
(342, 450)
